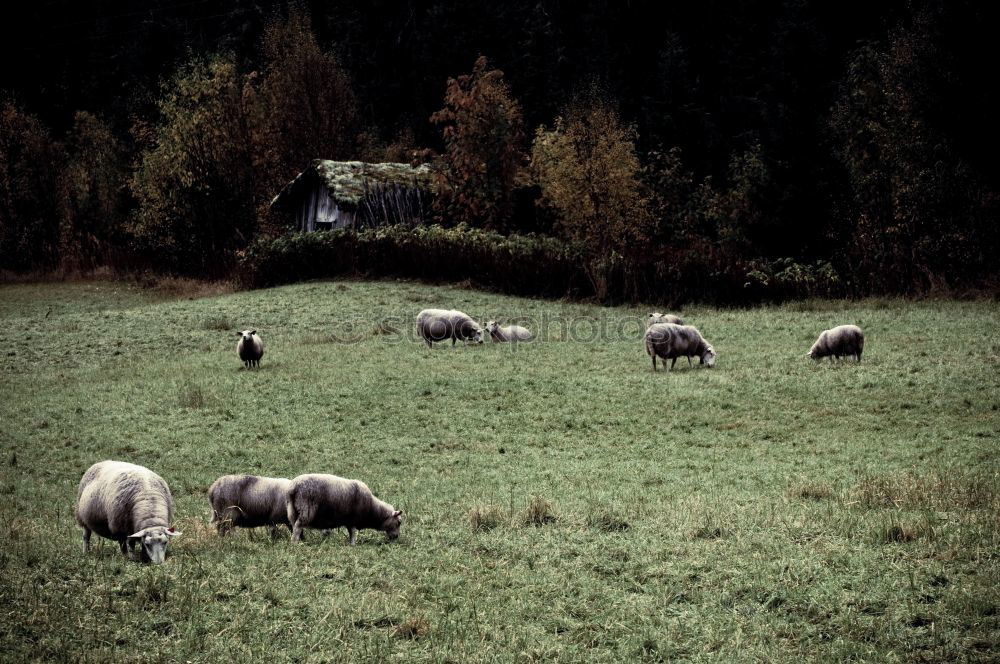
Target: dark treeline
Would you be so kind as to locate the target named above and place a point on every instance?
(844, 146)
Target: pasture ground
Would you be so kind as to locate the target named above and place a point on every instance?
(562, 502)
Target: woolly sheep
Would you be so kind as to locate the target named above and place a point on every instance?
(670, 341)
(248, 501)
(657, 317)
(507, 333)
(440, 324)
(842, 340)
(327, 501)
(129, 504)
(250, 348)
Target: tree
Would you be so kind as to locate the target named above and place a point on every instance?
(305, 106)
(590, 178)
(96, 171)
(196, 186)
(918, 213)
(32, 191)
(483, 135)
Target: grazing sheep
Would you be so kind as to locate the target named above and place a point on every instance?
(129, 504)
(250, 348)
(507, 333)
(440, 324)
(248, 501)
(657, 317)
(842, 340)
(328, 501)
(670, 341)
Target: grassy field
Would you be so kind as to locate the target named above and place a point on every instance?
(562, 502)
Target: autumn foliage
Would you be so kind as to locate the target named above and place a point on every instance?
(483, 134)
(589, 175)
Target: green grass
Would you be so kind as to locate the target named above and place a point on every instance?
(562, 502)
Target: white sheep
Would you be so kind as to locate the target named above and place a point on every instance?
(327, 501)
(249, 501)
(657, 317)
(841, 340)
(440, 324)
(129, 504)
(670, 341)
(250, 348)
(512, 333)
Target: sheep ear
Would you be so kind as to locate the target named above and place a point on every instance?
(239, 334)
(139, 534)
(398, 514)
(173, 533)
(253, 331)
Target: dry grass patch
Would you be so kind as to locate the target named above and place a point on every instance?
(413, 628)
(936, 490)
(808, 490)
(539, 512)
(485, 518)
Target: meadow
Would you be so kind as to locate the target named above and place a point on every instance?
(562, 502)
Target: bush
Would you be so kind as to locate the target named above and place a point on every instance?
(534, 265)
(518, 264)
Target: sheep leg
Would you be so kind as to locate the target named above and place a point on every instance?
(297, 534)
(673, 362)
(86, 540)
(272, 530)
(352, 536)
(126, 549)
(689, 362)
(654, 362)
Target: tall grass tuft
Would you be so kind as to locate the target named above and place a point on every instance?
(539, 512)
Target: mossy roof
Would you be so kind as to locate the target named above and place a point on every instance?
(347, 180)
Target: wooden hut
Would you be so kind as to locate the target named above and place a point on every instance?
(355, 194)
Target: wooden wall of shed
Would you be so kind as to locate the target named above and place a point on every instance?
(318, 207)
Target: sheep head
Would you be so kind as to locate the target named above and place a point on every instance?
(153, 543)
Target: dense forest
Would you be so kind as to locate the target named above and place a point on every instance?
(715, 150)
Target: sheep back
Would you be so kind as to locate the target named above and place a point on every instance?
(657, 317)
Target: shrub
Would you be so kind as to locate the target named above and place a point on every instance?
(521, 264)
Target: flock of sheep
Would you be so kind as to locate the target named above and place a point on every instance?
(132, 505)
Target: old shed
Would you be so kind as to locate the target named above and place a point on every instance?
(356, 194)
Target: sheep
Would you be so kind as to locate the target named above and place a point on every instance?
(512, 333)
(250, 348)
(657, 317)
(129, 504)
(327, 501)
(248, 501)
(440, 324)
(670, 341)
(841, 340)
